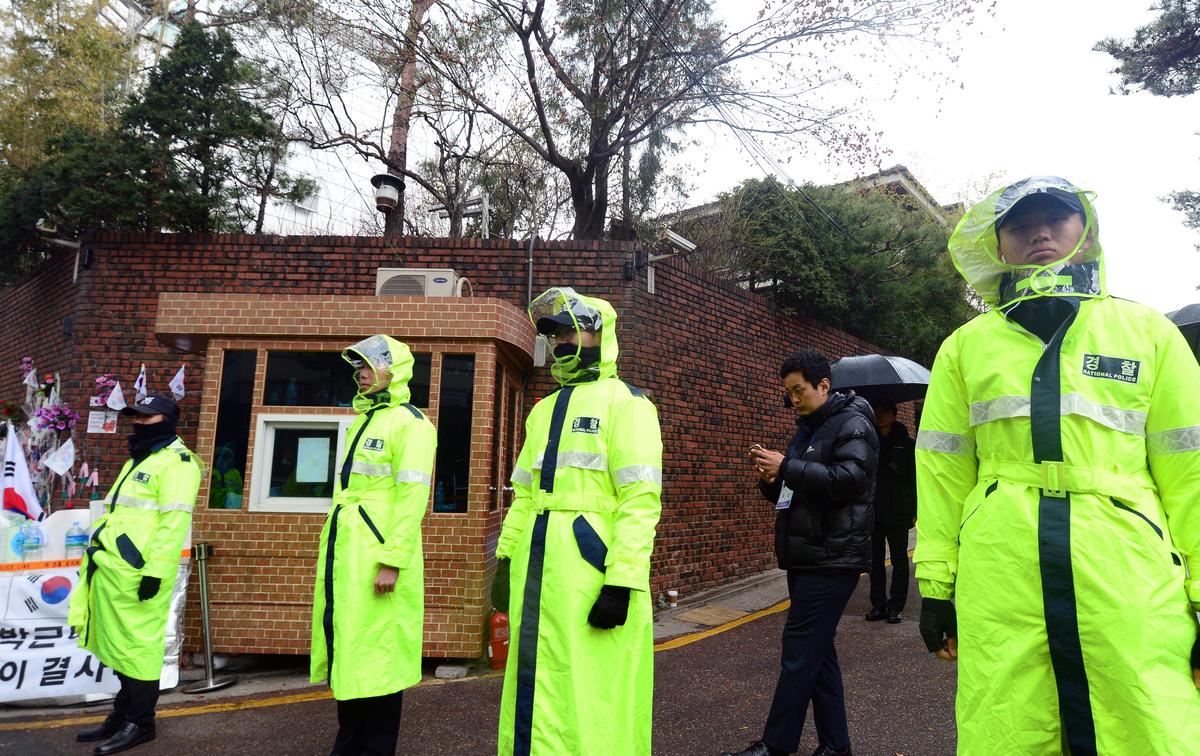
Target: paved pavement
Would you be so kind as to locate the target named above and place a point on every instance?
(712, 692)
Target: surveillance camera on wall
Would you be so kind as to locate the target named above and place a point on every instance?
(677, 242)
(387, 191)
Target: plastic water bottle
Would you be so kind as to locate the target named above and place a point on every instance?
(32, 542)
(76, 541)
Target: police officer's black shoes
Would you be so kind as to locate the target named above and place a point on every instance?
(102, 731)
(894, 616)
(824, 750)
(757, 748)
(127, 737)
(876, 614)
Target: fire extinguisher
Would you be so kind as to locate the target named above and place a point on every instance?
(497, 649)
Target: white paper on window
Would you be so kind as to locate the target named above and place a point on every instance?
(312, 460)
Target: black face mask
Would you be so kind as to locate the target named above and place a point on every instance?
(587, 355)
(146, 436)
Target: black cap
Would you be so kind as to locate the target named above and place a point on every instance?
(153, 405)
(1017, 194)
(551, 324)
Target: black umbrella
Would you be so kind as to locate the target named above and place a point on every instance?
(1188, 320)
(881, 378)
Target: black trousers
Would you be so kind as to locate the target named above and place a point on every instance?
(809, 667)
(368, 725)
(896, 537)
(135, 701)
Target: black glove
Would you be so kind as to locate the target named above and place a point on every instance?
(938, 622)
(611, 608)
(148, 588)
(500, 586)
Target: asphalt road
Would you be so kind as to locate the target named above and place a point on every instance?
(710, 696)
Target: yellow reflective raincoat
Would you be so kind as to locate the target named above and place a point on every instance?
(588, 483)
(1059, 505)
(369, 644)
(148, 513)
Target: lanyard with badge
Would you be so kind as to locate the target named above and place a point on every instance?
(785, 494)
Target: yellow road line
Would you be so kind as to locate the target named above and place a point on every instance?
(318, 695)
(684, 640)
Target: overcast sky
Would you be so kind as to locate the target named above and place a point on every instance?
(1034, 99)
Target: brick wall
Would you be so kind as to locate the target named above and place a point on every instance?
(39, 316)
(705, 351)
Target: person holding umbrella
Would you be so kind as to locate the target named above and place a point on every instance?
(895, 506)
(1058, 475)
(885, 381)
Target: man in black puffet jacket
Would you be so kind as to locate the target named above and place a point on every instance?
(822, 489)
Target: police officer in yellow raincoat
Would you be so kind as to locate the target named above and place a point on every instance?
(121, 605)
(1058, 547)
(579, 535)
(369, 605)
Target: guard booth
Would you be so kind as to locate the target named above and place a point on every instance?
(275, 405)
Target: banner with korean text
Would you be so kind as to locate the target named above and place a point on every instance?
(39, 653)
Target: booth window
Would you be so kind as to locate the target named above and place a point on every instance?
(232, 437)
(308, 379)
(324, 379)
(418, 385)
(454, 433)
(296, 460)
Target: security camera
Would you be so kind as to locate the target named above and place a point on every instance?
(387, 191)
(676, 241)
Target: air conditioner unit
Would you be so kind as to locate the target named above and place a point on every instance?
(417, 282)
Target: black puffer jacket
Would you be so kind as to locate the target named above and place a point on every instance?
(830, 467)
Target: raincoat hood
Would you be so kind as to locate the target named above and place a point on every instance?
(382, 353)
(974, 247)
(563, 305)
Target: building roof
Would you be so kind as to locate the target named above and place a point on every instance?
(901, 180)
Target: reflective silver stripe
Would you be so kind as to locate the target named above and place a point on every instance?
(136, 503)
(413, 476)
(522, 477)
(1126, 421)
(1132, 422)
(635, 473)
(380, 470)
(578, 459)
(584, 460)
(1174, 441)
(1000, 408)
(947, 443)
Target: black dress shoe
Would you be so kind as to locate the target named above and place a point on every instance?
(876, 614)
(894, 616)
(824, 750)
(127, 737)
(757, 748)
(102, 731)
